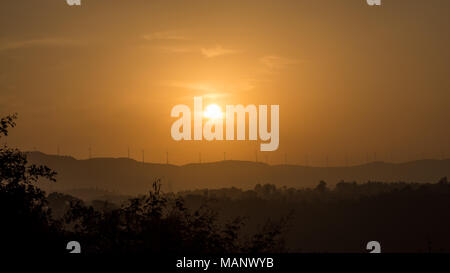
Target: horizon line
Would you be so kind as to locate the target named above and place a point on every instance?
(246, 161)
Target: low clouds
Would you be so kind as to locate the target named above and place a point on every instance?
(217, 51)
(211, 52)
(208, 52)
(175, 42)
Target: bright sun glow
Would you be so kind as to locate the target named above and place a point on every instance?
(213, 111)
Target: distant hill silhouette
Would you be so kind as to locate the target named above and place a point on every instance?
(127, 176)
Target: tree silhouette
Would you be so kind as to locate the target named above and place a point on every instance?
(26, 219)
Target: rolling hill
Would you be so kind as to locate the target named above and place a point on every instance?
(127, 176)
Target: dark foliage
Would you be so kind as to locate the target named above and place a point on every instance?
(404, 217)
(26, 219)
(159, 223)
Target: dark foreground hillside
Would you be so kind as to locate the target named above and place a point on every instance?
(403, 217)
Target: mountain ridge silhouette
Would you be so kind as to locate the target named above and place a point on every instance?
(129, 176)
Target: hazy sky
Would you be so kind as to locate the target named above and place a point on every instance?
(350, 79)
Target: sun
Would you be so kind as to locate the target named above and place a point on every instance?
(213, 111)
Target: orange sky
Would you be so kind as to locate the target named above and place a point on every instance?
(351, 80)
